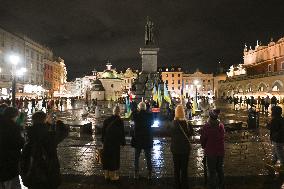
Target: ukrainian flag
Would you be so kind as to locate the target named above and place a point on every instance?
(166, 94)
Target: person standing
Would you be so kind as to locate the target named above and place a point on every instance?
(112, 137)
(276, 127)
(267, 103)
(143, 137)
(262, 104)
(11, 143)
(273, 101)
(189, 109)
(212, 141)
(41, 148)
(181, 132)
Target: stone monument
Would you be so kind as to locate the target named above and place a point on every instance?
(148, 77)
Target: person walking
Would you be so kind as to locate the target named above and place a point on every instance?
(143, 137)
(41, 149)
(11, 143)
(276, 127)
(212, 141)
(112, 137)
(181, 132)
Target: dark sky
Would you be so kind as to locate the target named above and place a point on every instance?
(190, 33)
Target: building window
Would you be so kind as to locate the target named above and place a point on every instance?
(167, 81)
(282, 66)
(173, 88)
(166, 75)
(203, 81)
(178, 75)
(178, 81)
(173, 82)
(269, 67)
(173, 75)
(178, 87)
(208, 81)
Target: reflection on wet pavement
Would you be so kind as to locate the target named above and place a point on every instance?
(246, 152)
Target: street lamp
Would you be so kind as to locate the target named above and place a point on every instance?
(14, 60)
(196, 82)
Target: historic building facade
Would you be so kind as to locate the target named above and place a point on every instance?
(173, 77)
(33, 56)
(261, 74)
(202, 82)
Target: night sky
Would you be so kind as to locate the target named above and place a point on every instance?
(190, 33)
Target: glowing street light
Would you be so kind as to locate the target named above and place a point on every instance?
(14, 60)
(196, 84)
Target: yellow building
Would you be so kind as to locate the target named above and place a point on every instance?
(172, 76)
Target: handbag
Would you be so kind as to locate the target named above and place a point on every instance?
(183, 132)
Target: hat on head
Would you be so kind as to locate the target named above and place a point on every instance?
(214, 113)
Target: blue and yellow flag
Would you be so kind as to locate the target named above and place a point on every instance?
(155, 94)
(166, 94)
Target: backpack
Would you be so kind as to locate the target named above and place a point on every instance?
(34, 165)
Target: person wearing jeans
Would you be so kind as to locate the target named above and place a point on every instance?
(212, 141)
(143, 137)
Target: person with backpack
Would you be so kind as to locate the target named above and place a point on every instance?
(113, 137)
(181, 132)
(212, 141)
(40, 167)
(142, 137)
(276, 127)
(11, 143)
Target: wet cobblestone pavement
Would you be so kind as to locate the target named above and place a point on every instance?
(247, 151)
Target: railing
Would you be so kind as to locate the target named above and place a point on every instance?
(240, 78)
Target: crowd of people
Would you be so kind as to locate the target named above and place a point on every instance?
(35, 104)
(212, 139)
(263, 103)
(32, 152)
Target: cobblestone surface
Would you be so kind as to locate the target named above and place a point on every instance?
(247, 151)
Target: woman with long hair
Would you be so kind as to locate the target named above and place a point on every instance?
(181, 132)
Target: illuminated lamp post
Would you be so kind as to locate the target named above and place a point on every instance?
(196, 82)
(14, 60)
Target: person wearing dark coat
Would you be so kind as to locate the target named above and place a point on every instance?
(43, 133)
(142, 137)
(276, 127)
(112, 137)
(11, 143)
(180, 147)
